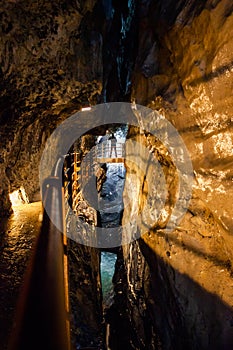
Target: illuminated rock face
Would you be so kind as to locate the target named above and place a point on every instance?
(52, 56)
(193, 88)
(55, 58)
(51, 65)
(184, 70)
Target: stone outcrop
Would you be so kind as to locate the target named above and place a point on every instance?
(50, 66)
(45, 47)
(85, 296)
(184, 71)
(191, 45)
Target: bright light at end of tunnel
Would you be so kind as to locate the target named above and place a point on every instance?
(18, 197)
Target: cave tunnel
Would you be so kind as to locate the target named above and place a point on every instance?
(165, 289)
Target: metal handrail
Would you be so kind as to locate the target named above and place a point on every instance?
(103, 150)
(42, 319)
(101, 153)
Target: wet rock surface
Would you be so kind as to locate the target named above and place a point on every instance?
(192, 87)
(108, 261)
(55, 57)
(130, 323)
(184, 71)
(110, 201)
(44, 79)
(85, 296)
(18, 233)
(187, 269)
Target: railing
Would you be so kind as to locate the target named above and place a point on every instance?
(77, 173)
(108, 151)
(71, 180)
(42, 320)
(101, 153)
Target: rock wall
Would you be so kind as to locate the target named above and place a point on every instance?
(85, 296)
(56, 56)
(191, 46)
(184, 71)
(50, 66)
(85, 293)
(45, 47)
(59, 55)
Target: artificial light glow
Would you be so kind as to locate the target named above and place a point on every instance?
(86, 109)
(18, 197)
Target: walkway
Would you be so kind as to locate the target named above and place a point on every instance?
(49, 261)
(106, 153)
(100, 154)
(18, 234)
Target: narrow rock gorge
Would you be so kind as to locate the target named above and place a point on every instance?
(172, 290)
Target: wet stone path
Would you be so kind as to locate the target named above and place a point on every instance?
(17, 235)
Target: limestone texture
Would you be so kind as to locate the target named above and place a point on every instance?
(173, 291)
(51, 65)
(184, 71)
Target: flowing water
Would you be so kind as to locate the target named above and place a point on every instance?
(107, 269)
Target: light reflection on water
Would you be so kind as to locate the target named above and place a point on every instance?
(107, 268)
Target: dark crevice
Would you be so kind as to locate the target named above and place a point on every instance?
(119, 51)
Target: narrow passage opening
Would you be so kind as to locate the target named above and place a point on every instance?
(111, 208)
(99, 202)
(107, 270)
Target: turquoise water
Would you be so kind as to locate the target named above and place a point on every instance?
(107, 269)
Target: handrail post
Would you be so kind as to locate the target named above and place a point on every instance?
(69, 175)
(42, 320)
(74, 180)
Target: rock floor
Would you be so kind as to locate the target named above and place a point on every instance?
(17, 235)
